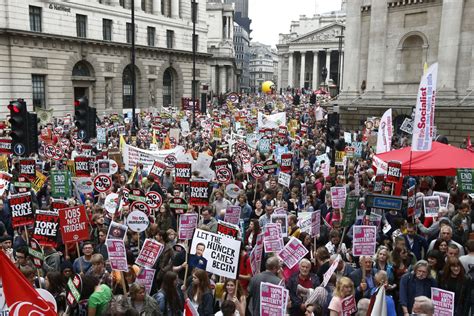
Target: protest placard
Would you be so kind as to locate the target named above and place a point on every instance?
(117, 231)
(256, 255)
(60, 184)
(338, 197)
(232, 214)
(364, 240)
(28, 168)
(187, 225)
(146, 277)
(349, 306)
(394, 171)
(178, 205)
(431, 205)
(443, 198)
(137, 221)
(293, 252)
(228, 229)
(272, 239)
(221, 252)
(150, 252)
(316, 223)
(282, 221)
(350, 209)
(330, 271)
(443, 302)
(82, 166)
(272, 299)
(284, 179)
(182, 173)
(5, 179)
(157, 169)
(199, 193)
(286, 162)
(21, 209)
(117, 254)
(465, 180)
(73, 222)
(46, 227)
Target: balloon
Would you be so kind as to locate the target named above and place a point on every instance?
(267, 87)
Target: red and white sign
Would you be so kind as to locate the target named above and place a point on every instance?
(170, 161)
(150, 252)
(349, 306)
(82, 166)
(273, 299)
(28, 169)
(53, 152)
(257, 171)
(21, 210)
(182, 172)
(232, 214)
(394, 171)
(272, 240)
(286, 162)
(293, 252)
(154, 199)
(73, 224)
(158, 169)
(46, 227)
(199, 193)
(102, 183)
(117, 254)
(223, 175)
(140, 206)
(187, 224)
(443, 302)
(5, 146)
(364, 240)
(338, 197)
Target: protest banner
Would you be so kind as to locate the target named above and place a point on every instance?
(36, 252)
(182, 173)
(338, 197)
(330, 271)
(394, 171)
(134, 155)
(74, 290)
(293, 252)
(137, 221)
(316, 223)
(282, 220)
(117, 254)
(187, 224)
(157, 169)
(286, 162)
(28, 168)
(284, 179)
(153, 199)
(146, 277)
(465, 180)
(178, 205)
(228, 229)
(443, 198)
(350, 209)
(111, 203)
(107, 166)
(270, 166)
(364, 240)
(256, 255)
(431, 205)
(221, 252)
(384, 134)
(199, 193)
(272, 299)
(73, 222)
(272, 239)
(149, 253)
(443, 302)
(425, 111)
(232, 214)
(349, 306)
(60, 184)
(117, 231)
(82, 166)
(21, 209)
(46, 227)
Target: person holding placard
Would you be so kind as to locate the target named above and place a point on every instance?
(344, 289)
(454, 279)
(233, 292)
(199, 293)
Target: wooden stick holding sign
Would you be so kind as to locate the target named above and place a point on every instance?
(79, 257)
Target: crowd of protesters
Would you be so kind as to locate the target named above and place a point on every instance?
(413, 255)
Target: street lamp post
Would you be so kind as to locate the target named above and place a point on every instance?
(132, 61)
(325, 71)
(339, 68)
(193, 84)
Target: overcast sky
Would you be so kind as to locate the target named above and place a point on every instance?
(269, 18)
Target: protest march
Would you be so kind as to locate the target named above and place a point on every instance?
(262, 205)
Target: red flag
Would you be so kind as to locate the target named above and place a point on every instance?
(20, 296)
(469, 145)
(189, 309)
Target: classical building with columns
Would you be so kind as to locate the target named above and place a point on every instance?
(389, 41)
(313, 43)
(225, 76)
(53, 52)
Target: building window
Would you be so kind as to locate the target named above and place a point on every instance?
(129, 32)
(35, 19)
(107, 29)
(81, 25)
(39, 94)
(195, 42)
(151, 35)
(169, 38)
(122, 3)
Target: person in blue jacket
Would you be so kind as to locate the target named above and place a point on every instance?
(381, 279)
(415, 283)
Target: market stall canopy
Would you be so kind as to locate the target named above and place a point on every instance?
(441, 160)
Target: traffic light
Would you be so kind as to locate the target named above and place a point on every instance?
(85, 117)
(24, 129)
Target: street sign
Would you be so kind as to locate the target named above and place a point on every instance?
(382, 201)
(81, 134)
(19, 149)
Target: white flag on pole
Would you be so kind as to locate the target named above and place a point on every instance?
(384, 136)
(425, 111)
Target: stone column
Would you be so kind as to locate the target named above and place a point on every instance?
(280, 61)
(230, 79)
(315, 83)
(377, 39)
(175, 9)
(471, 82)
(157, 7)
(290, 70)
(229, 27)
(138, 5)
(328, 65)
(115, 3)
(302, 69)
(222, 79)
(214, 86)
(352, 44)
(448, 47)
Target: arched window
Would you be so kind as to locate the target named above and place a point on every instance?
(411, 67)
(168, 83)
(81, 69)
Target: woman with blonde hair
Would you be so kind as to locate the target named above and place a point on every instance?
(344, 288)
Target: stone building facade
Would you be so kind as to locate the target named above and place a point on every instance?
(313, 43)
(55, 52)
(242, 56)
(389, 42)
(263, 62)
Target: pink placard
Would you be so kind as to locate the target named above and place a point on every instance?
(338, 197)
(316, 223)
(117, 254)
(272, 299)
(443, 302)
(187, 225)
(272, 240)
(364, 240)
(149, 253)
(256, 255)
(232, 214)
(349, 306)
(146, 278)
(293, 252)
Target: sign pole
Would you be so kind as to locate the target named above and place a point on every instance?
(27, 237)
(79, 257)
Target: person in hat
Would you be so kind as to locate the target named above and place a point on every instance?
(6, 243)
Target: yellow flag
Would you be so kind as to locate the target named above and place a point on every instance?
(153, 138)
(122, 142)
(132, 175)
